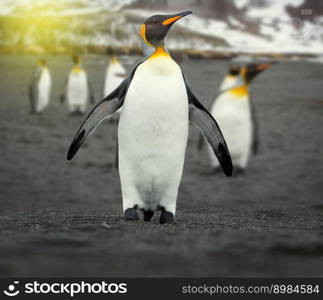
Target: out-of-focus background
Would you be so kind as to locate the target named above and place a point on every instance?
(60, 218)
(222, 27)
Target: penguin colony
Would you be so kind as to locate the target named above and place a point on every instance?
(156, 104)
(235, 113)
(77, 91)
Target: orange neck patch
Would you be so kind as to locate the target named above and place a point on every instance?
(76, 69)
(114, 60)
(231, 77)
(159, 52)
(240, 91)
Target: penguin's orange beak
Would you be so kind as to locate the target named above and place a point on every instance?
(173, 19)
(253, 70)
(265, 66)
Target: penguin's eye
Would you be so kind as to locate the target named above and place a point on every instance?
(154, 22)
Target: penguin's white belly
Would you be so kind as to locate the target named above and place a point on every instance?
(234, 118)
(153, 131)
(44, 85)
(77, 90)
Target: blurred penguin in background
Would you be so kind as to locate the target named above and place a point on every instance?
(114, 75)
(78, 90)
(39, 88)
(235, 113)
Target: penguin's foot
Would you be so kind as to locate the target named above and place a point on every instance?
(148, 215)
(166, 217)
(131, 214)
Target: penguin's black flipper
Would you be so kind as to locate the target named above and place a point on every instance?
(116, 157)
(33, 89)
(199, 116)
(101, 111)
(210, 129)
(32, 97)
(255, 134)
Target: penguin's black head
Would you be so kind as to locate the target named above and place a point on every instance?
(234, 70)
(76, 59)
(110, 52)
(250, 71)
(155, 28)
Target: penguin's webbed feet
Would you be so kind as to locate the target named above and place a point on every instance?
(131, 214)
(166, 217)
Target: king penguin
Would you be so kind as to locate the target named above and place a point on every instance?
(78, 89)
(235, 113)
(157, 106)
(39, 88)
(114, 75)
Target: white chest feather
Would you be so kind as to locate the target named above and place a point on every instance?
(44, 85)
(44, 81)
(77, 89)
(228, 81)
(155, 110)
(153, 130)
(232, 112)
